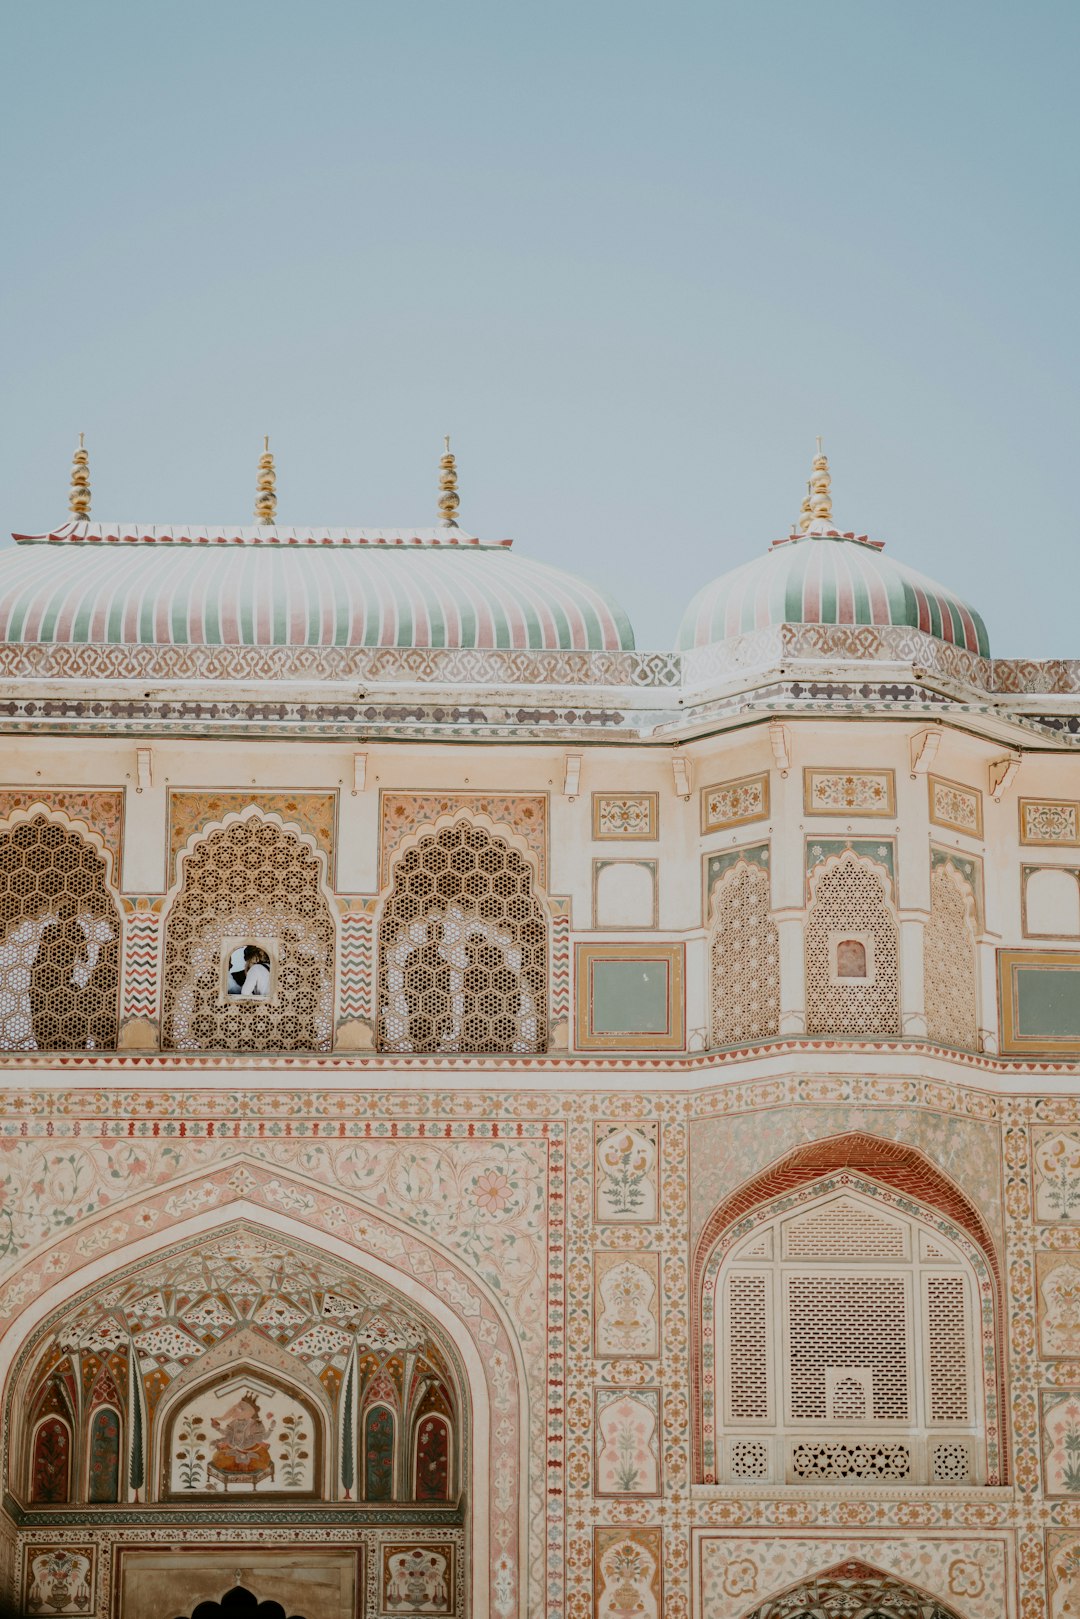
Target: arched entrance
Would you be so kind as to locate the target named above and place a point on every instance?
(441, 1407)
(853, 1590)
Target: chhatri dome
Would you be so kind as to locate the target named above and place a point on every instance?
(819, 576)
(124, 583)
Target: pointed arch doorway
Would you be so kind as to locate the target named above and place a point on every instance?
(853, 1590)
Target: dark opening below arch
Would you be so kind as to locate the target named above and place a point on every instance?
(239, 1603)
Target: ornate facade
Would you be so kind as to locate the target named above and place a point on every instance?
(504, 1125)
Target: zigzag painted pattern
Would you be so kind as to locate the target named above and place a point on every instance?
(560, 968)
(357, 963)
(142, 938)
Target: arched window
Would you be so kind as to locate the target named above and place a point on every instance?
(103, 1463)
(950, 960)
(50, 1468)
(852, 1588)
(380, 1431)
(845, 1344)
(852, 949)
(744, 957)
(432, 1473)
(59, 942)
(251, 906)
(463, 948)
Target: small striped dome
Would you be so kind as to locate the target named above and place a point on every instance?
(122, 584)
(828, 578)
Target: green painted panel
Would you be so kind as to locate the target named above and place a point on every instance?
(630, 997)
(1048, 1003)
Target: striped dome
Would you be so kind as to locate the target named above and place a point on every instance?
(828, 578)
(117, 585)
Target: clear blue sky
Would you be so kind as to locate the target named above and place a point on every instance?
(633, 257)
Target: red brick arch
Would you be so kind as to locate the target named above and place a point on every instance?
(893, 1164)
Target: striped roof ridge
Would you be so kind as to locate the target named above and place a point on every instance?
(828, 579)
(365, 595)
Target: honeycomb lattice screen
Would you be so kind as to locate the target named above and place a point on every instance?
(60, 949)
(463, 949)
(951, 1014)
(250, 880)
(850, 897)
(847, 1349)
(744, 958)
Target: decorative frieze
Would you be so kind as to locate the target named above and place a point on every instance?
(734, 803)
(849, 792)
(625, 815)
(1050, 820)
(955, 806)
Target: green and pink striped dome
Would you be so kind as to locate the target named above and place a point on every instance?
(109, 584)
(828, 578)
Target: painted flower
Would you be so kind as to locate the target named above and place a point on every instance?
(492, 1191)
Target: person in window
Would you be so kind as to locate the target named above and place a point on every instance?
(237, 970)
(257, 974)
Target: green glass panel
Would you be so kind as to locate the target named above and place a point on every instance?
(630, 997)
(1048, 1003)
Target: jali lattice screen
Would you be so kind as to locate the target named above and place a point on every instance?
(252, 879)
(850, 900)
(744, 957)
(949, 955)
(463, 948)
(59, 945)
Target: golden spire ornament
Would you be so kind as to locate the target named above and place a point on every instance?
(266, 488)
(816, 509)
(448, 495)
(79, 498)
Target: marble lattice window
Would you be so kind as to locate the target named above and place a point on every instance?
(950, 961)
(250, 881)
(463, 948)
(846, 1350)
(744, 957)
(852, 950)
(59, 942)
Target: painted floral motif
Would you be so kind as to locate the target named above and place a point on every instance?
(1061, 1443)
(314, 813)
(60, 1581)
(955, 806)
(1060, 1321)
(523, 813)
(831, 792)
(734, 803)
(417, 1579)
(628, 1442)
(626, 1166)
(625, 816)
(103, 810)
(626, 1292)
(628, 1568)
(191, 1458)
(1057, 1176)
(1049, 822)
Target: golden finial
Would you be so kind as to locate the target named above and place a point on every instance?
(448, 495)
(266, 487)
(79, 499)
(816, 509)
